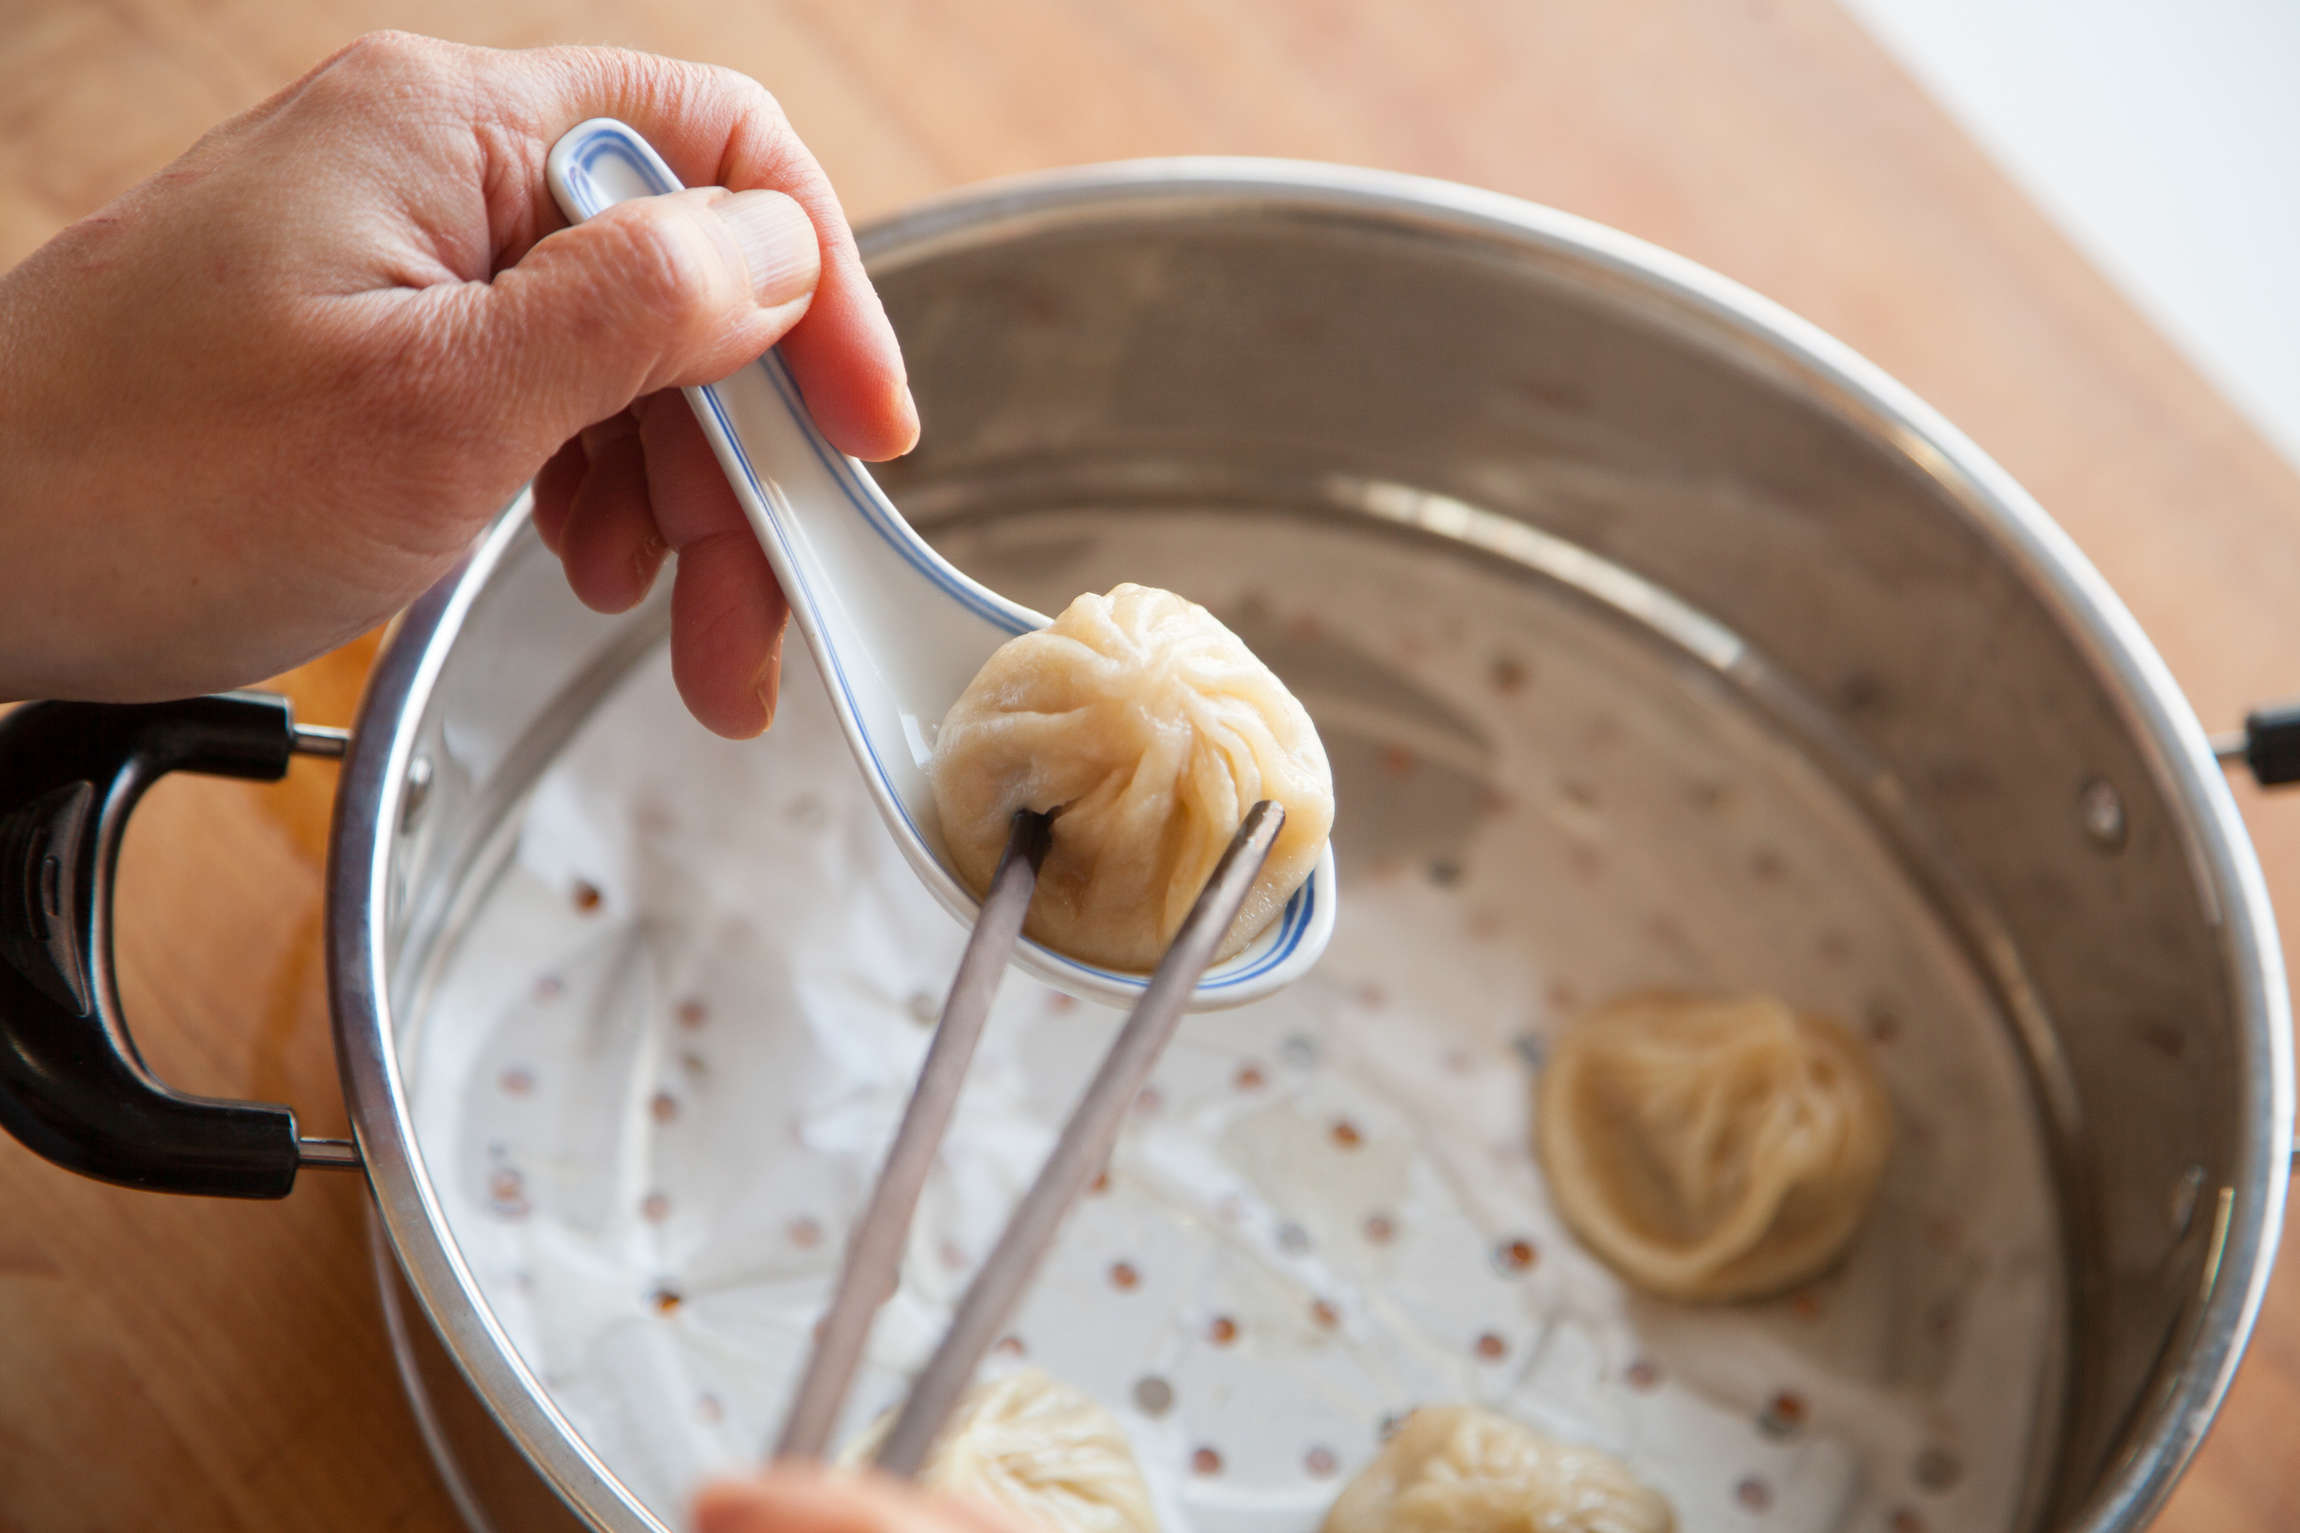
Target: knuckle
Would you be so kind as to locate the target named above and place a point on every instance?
(377, 67)
(663, 275)
(725, 104)
(751, 100)
(389, 49)
(760, 137)
(649, 261)
(597, 73)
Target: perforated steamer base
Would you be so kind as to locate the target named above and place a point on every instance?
(654, 1076)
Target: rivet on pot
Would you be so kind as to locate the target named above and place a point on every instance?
(2187, 1189)
(415, 794)
(2100, 810)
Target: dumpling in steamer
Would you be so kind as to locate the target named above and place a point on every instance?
(1032, 1446)
(1154, 730)
(1712, 1149)
(1459, 1469)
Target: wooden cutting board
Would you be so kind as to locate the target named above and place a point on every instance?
(193, 1365)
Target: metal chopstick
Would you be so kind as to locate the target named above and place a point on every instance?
(874, 1252)
(1085, 1144)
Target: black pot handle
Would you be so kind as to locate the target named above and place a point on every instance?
(72, 1086)
(2269, 743)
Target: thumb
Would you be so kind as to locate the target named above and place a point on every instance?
(650, 294)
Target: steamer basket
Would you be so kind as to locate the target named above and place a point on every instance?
(1648, 451)
(1659, 640)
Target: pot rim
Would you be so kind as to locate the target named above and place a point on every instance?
(1759, 332)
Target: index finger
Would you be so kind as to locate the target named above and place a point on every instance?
(715, 127)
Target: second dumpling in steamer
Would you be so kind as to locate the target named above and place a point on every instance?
(1153, 729)
(1712, 1148)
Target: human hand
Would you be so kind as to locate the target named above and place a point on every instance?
(790, 1499)
(256, 405)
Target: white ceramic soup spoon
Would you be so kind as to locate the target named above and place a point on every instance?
(896, 630)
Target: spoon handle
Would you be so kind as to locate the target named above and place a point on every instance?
(755, 418)
(897, 631)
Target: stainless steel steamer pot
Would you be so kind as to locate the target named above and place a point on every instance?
(1344, 344)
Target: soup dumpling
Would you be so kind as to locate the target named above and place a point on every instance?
(1031, 1445)
(1712, 1149)
(1153, 729)
(1460, 1469)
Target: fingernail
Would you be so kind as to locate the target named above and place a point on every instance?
(910, 410)
(770, 685)
(778, 243)
(648, 558)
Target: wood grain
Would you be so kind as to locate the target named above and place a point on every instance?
(214, 1366)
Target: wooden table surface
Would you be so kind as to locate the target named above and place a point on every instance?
(195, 1365)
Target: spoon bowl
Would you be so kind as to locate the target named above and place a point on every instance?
(896, 630)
